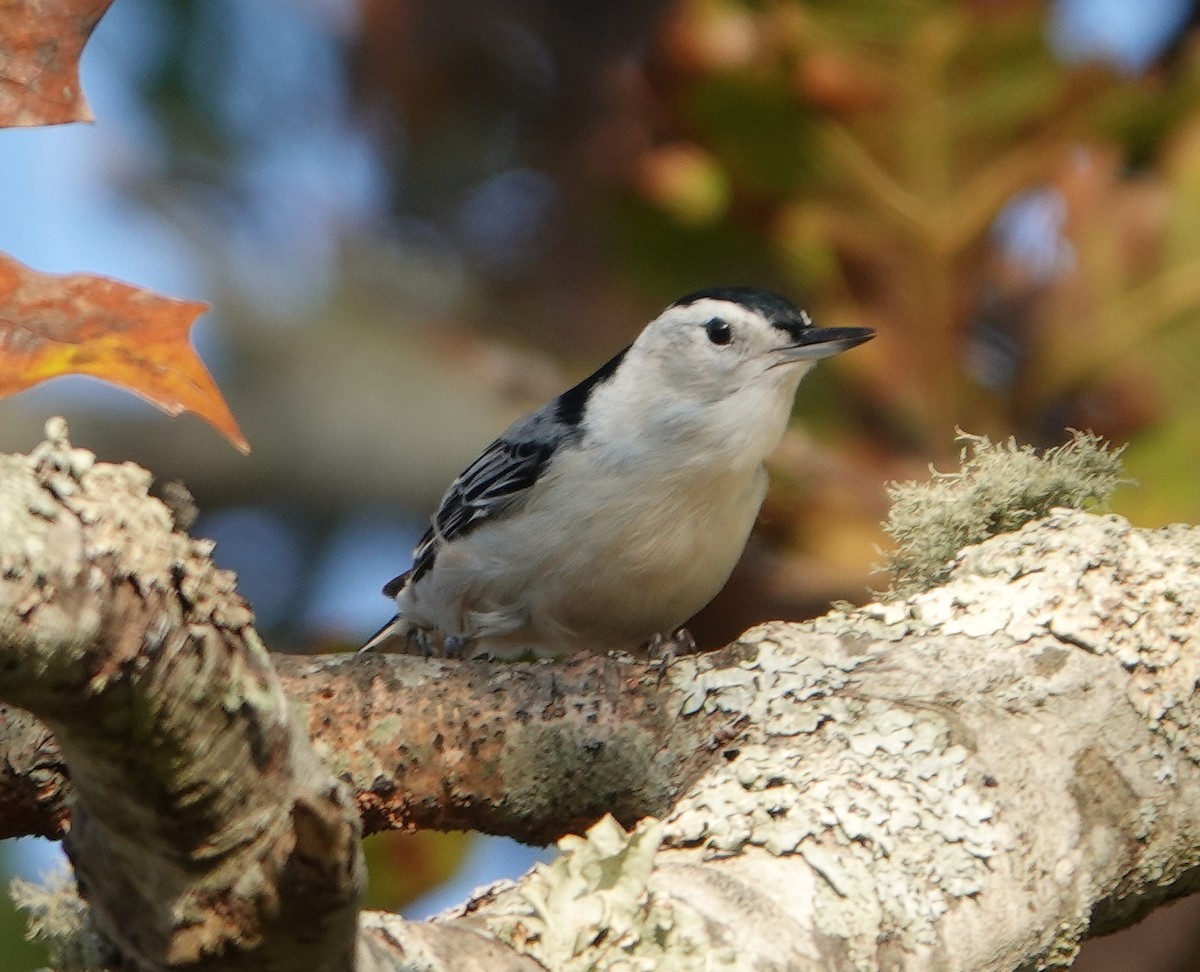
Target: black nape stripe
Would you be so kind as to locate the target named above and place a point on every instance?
(572, 403)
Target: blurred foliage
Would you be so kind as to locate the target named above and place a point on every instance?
(870, 155)
(1019, 229)
(401, 867)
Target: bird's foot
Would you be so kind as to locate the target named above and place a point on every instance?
(684, 642)
(665, 650)
(680, 642)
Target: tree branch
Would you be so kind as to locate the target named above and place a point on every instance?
(525, 751)
(204, 831)
(974, 778)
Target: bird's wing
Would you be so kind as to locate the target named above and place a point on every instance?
(494, 483)
(500, 478)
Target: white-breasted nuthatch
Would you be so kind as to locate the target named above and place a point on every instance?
(612, 514)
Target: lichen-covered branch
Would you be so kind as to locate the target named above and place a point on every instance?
(527, 751)
(204, 830)
(973, 778)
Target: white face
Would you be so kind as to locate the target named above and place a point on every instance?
(709, 349)
(713, 376)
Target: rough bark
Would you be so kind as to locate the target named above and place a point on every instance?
(972, 779)
(526, 751)
(204, 831)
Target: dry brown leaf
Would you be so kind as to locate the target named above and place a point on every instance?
(53, 324)
(40, 45)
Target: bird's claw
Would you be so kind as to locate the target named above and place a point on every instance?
(684, 642)
(665, 650)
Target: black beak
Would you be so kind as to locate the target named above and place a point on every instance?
(814, 343)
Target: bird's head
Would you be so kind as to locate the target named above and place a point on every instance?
(713, 343)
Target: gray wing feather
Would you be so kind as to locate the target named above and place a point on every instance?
(495, 483)
(499, 480)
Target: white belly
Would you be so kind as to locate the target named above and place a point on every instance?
(602, 575)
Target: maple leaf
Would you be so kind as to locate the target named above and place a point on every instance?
(40, 45)
(52, 324)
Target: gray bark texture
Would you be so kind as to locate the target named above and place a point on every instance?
(974, 778)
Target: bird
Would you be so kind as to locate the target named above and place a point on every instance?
(605, 519)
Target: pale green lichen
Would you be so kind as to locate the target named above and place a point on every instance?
(539, 757)
(788, 680)
(998, 488)
(885, 800)
(594, 910)
(1136, 600)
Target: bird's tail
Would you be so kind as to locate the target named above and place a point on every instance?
(383, 635)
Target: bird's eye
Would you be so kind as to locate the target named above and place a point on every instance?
(718, 331)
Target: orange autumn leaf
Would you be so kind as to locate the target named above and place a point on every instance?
(53, 324)
(40, 45)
